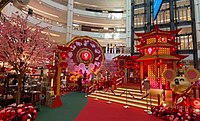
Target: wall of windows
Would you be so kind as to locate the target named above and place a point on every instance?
(174, 14)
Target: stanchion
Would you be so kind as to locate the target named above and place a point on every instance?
(126, 92)
(86, 95)
(126, 106)
(107, 91)
(95, 95)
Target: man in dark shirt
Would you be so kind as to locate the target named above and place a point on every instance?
(79, 81)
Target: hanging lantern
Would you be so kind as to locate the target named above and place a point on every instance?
(63, 55)
(63, 64)
(33, 71)
(180, 65)
(141, 51)
(50, 66)
(136, 66)
(163, 39)
(173, 49)
(157, 36)
(172, 38)
(141, 40)
(159, 64)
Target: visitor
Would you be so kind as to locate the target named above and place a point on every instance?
(84, 76)
(79, 81)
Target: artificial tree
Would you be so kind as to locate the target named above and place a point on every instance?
(24, 46)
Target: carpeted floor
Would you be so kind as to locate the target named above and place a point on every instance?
(73, 103)
(101, 111)
(78, 108)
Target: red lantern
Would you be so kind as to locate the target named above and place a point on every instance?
(136, 66)
(63, 55)
(163, 39)
(141, 51)
(86, 56)
(49, 66)
(157, 36)
(34, 70)
(172, 38)
(173, 49)
(180, 65)
(63, 64)
(159, 64)
(141, 40)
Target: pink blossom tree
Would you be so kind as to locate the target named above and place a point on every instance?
(23, 45)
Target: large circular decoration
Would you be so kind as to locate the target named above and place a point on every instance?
(86, 50)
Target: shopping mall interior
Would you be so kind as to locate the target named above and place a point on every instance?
(99, 60)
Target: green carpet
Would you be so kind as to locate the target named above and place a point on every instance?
(73, 103)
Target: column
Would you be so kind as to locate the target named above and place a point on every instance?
(128, 24)
(197, 17)
(194, 34)
(8, 9)
(70, 7)
(172, 16)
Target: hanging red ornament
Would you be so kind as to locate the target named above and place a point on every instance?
(33, 71)
(63, 64)
(49, 66)
(63, 55)
(141, 39)
(157, 36)
(172, 38)
(163, 39)
(141, 51)
(173, 49)
(180, 65)
(136, 66)
(159, 64)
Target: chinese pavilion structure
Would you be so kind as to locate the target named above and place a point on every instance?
(158, 52)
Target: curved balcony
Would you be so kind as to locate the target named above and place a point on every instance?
(111, 16)
(33, 20)
(100, 35)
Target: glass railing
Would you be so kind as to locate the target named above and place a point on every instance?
(83, 6)
(45, 19)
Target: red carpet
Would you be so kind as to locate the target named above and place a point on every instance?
(101, 111)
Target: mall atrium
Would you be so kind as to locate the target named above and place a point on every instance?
(100, 60)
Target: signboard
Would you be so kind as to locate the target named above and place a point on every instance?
(156, 7)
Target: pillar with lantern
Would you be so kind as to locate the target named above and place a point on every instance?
(59, 65)
(158, 53)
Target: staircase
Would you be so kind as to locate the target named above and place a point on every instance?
(134, 97)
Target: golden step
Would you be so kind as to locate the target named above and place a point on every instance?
(131, 90)
(124, 98)
(121, 102)
(124, 95)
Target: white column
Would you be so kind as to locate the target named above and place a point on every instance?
(197, 18)
(8, 9)
(70, 7)
(128, 24)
